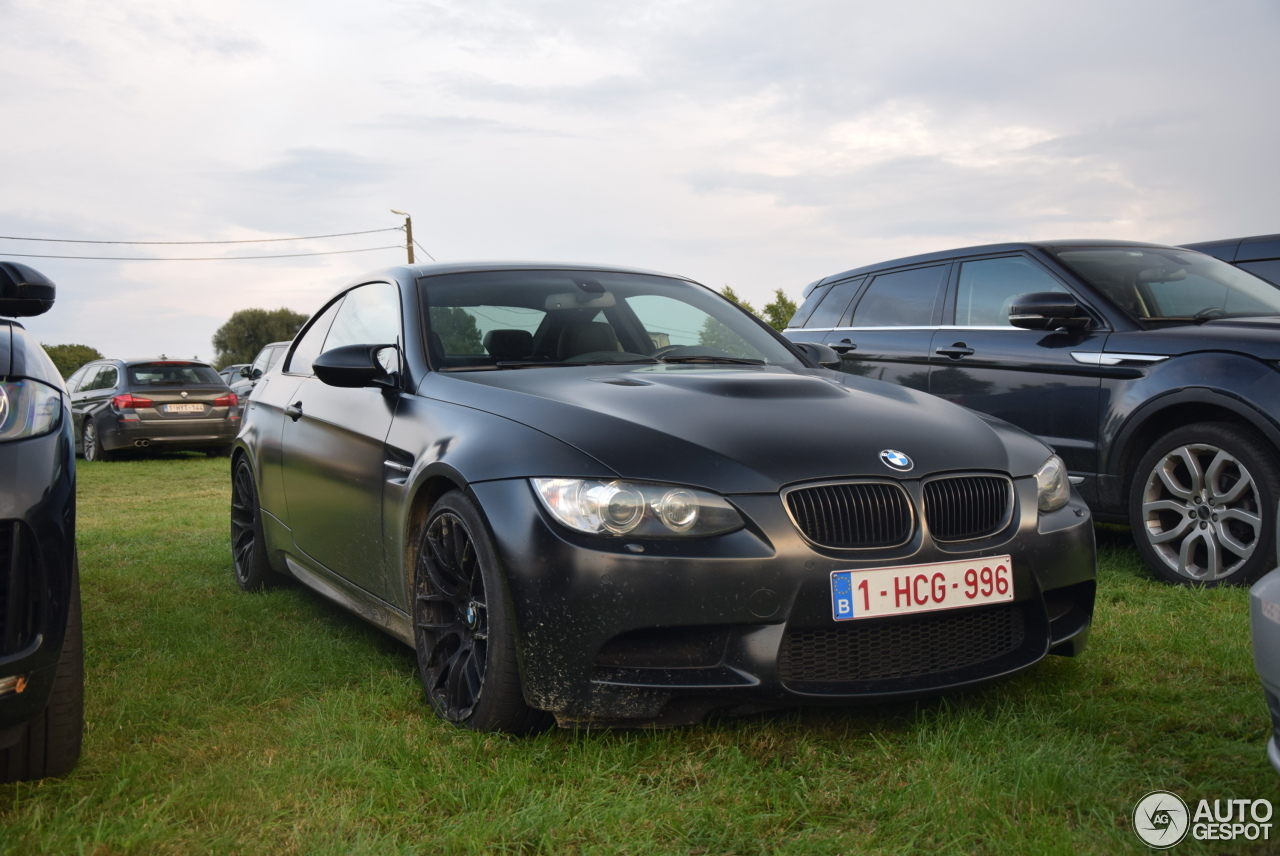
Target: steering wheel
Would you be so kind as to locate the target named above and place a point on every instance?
(1210, 312)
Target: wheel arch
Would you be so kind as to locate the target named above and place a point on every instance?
(1177, 410)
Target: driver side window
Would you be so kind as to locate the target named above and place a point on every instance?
(988, 287)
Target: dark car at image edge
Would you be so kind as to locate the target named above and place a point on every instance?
(615, 497)
(41, 653)
(1154, 372)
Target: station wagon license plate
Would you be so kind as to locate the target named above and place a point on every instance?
(903, 590)
(184, 408)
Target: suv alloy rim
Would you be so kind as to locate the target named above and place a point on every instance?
(1201, 512)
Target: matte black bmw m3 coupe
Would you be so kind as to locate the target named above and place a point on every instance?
(614, 497)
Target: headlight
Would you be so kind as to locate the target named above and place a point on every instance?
(634, 509)
(28, 408)
(1053, 489)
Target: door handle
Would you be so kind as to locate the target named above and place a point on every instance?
(844, 347)
(294, 411)
(956, 351)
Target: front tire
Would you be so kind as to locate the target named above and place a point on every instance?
(51, 744)
(1202, 503)
(248, 547)
(92, 443)
(464, 632)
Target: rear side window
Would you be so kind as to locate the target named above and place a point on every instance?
(100, 377)
(172, 374)
(902, 299)
(988, 287)
(831, 310)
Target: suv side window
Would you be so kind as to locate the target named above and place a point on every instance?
(904, 298)
(833, 306)
(988, 286)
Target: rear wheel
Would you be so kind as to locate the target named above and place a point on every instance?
(93, 450)
(248, 547)
(1203, 505)
(51, 744)
(463, 628)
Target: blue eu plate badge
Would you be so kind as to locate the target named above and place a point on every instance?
(842, 595)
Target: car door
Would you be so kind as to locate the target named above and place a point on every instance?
(887, 333)
(333, 444)
(94, 395)
(1026, 377)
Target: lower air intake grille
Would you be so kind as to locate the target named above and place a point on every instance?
(851, 516)
(967, 507)
(905, 647)
(19, 604)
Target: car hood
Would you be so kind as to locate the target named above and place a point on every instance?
(742, 430)
(1257, 336)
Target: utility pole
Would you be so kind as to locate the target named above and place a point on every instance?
(408, 232)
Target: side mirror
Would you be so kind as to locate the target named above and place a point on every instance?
(1047, 310)
(247, 371)
(820, 354)
(24, 291)
(354, 366)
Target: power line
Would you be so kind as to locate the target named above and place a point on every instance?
(196, 259)
(424, 250)
(245, 241)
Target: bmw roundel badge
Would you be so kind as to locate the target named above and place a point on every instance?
(896, 459)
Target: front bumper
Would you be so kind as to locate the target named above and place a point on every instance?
(611, 634)
(37, 551)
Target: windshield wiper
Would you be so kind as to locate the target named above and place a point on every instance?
(736, 361)
(536, 364)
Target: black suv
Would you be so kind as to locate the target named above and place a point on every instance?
(159, 403)
(1259, 255)
(1153, 371)
(41, 660)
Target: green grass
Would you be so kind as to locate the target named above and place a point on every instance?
(222, 722)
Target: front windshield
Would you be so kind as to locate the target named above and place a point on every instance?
(1154, 284)
(493, 320)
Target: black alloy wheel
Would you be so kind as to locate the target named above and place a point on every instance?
(1203, 505)
(248, 552)
(93, 450)
(463, 629)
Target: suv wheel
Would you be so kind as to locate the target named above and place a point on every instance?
(1202, 503)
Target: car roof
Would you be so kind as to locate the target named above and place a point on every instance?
(1251, 248)
(440, 268)
(138, 361)
(983, 249)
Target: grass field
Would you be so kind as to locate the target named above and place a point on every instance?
(222, 722)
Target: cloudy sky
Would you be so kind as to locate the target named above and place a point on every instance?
(753, 143)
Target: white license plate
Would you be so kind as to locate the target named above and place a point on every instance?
(184, 408)
(920, 588)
